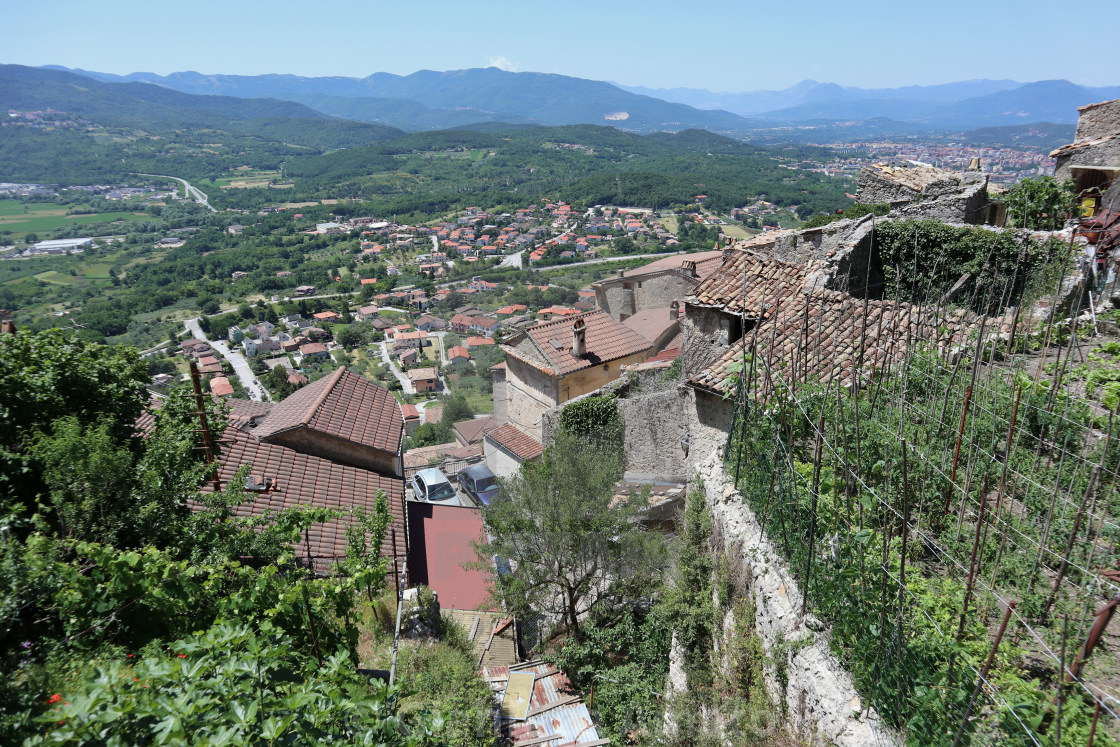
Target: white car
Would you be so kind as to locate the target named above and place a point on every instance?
(432, 486)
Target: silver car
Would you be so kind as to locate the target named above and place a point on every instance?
(432, 486)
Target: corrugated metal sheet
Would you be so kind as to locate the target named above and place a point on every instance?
(555, 709)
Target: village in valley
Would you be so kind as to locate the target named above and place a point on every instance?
(562, 472)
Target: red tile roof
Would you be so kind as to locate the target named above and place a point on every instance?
(410, 412)
(440, 542)
(312, 348)
(422, 374)
(220, 386)
(305, 480)
(471, 431)
(458, 352)
(343, 405)
(517, 442)
(474, 342)
(606, 339)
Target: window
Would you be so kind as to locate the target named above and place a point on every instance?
(731, 329)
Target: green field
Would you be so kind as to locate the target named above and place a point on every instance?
(58, 278)
(44, 217)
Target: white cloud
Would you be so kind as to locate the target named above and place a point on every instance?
(503, 64)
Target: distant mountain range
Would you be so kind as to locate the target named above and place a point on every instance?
(963, 105)
(429, 100)
(434, 100)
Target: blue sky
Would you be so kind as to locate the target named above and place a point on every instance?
(722, 46)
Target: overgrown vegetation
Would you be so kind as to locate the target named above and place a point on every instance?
(126, 616)
(882, 530)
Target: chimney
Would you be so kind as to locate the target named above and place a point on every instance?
(579, 339)
(674, 311)
(689, 267)
(621, 273)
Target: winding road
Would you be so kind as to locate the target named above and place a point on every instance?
(192, 191)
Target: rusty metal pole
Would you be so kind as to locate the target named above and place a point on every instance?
(984, 672)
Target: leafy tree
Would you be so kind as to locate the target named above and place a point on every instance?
(456, 409)
(1042, 203)
(570, 551)
(352, 335)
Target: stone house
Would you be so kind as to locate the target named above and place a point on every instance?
(1092, 160)
(551, 363)
(656, 285)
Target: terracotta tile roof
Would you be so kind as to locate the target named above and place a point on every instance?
(433, 413)
(831, 325)
(652, 323)
(422, 374)
(474, 342)
(749, 283)
(472, 431)
(517, 442)
(220, 386)
(242, 411)
(706, 264)
(458, 352)
(343, 405)
(440, 545)
(305, 480)
(469, 451)
(605, 340)
(409, 412)
(312, 348)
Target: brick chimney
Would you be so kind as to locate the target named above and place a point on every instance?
(579, 339)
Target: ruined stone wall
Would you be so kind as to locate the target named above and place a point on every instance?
(1097, 120)
(656, 422)
(819, 694)
(708, 333)
(624, 298)
(873, 189)
(949, 201)
(615, 299)
(1103, 154)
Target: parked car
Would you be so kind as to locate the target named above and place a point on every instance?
(479, 483)
(432, 486)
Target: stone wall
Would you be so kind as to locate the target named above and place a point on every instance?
(529, 394)
(708, 332)
(1097, 120)
(501, 412)
(819, 693)
(624, 297)
(1105, 154)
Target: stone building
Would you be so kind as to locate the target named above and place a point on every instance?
(550, 363)
(1092, 160)
(926, 192)
(656, 285)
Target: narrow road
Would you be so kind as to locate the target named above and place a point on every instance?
(406, 385)
(240, 365)
(512, 260)
(199, 196)
(442, 351)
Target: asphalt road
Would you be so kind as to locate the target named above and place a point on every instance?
(237, 360)
(199, 196)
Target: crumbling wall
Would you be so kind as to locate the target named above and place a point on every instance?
(708, 332)
(1105, 153)
(1097, 120)
(668, 431)
(819, 695)
(950, 201)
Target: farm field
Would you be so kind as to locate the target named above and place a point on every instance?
(44, 217)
